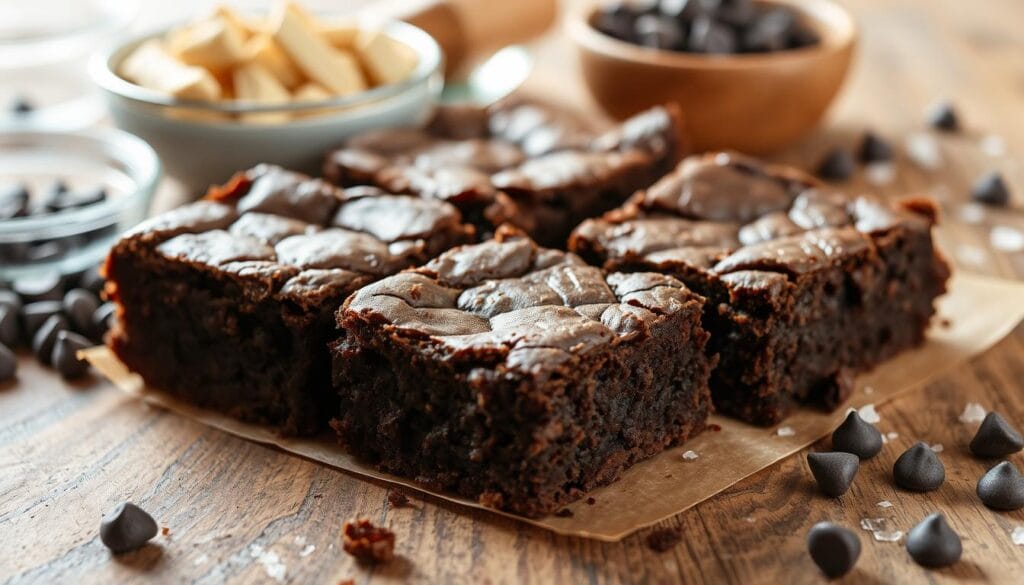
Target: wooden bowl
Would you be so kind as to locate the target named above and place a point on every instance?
(754, 102)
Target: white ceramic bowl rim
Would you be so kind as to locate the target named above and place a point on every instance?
(139, 159)
(103, 66)
(836, 18)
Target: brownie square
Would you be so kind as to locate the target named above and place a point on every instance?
(805, 286)
(518, 163)
(518, 375)
(229, 302)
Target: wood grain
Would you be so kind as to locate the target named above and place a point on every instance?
(68, 453)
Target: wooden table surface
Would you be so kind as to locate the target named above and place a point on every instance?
(240, 512)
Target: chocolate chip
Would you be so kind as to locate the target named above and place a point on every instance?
(45, 286)
(680, 10)
(769, 32)
(657, 32)
(1002, 487)
(932, 543)
(102, 319)
(65, 355)
(834, 472)
(942, 116)
(44, 339)
(919, 469)
(21, 105)
(76, 199)
(35, 314)
(833, 548)
(10, 326)
(8, 363)
(13, 200)
(79, 305)
(990, 189)
(736, 13)
(857, 436)
(126, 528)
(92, 281)
(838, 165)
(873, 149)
(9, 298)
(615, 20)
(996, 438)
(708, 36)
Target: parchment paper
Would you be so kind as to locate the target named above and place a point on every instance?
(975, 314)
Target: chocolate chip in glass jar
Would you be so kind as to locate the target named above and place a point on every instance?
(21, 106)
(14, 199)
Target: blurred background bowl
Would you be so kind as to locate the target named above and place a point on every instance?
(73, 240)
(202, 143)
(752, 102)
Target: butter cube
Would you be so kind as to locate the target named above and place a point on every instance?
(213, 44)
(336, 70)
(311, 92)
(386, 60)
(255, 83)
(263, 50)
(154, 68)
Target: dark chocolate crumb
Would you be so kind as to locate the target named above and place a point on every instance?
(714, 428)
(591, 501)
(663, 539)
(564, 513)
(126, 528)
(837, 165)
(942, 116)
(397, 499)
(1002, 487)
(991, 189)
(873, 149)
(919, 469)
(368, 543)
(932, 543)
(833, 548)
(996, 438)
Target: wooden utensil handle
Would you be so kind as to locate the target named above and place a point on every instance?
(468, 27)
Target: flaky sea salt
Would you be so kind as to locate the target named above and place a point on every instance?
(993, 145)
(923, 149)
(307, 550)
(1018, 536)
(272, 564)
(690, 455)
(200, 560)
(881, 529)
(1006, 238)
(880, 174)
(972, 255)
(884, 504)
(972, 213)
(785, 432)
(887, 535)
(937, 448)
(973, 413)
(869, 414)
(892, 436)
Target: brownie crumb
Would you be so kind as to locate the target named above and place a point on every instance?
(714, 428)
(165, 531)
(663, 539)
(591, 501)
(368, 543)
(398, 499)
(564, 513)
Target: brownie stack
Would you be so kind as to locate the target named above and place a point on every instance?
(448, 348)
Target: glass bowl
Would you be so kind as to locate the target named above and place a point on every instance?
(203, 143)
(73, 240)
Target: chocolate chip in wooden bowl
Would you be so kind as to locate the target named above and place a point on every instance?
(1002, 487)
(932, 543)
(616, 19)
(45, 338)
(79, 305)
(657, 32)
(919, 469)
(368, 543)
(711, 37)
(857, 436)
(942, 116)
(991, 189)
(833, 548)
(10, 326)
(126, 528)
(8, 364)
(834, 472)
(873, 149)
(837, 165)
(770, 31)
(65, 355)
(33, 315)
(14, 198)
(996, 438)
